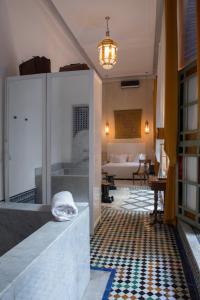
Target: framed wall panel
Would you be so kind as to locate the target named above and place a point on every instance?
(128, 123)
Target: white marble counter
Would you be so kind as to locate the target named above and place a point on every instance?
(48, 263)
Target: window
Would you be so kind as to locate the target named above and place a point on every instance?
(80, 118)
(187, 31)
(189, 148)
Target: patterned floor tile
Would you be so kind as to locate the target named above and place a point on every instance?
(146, 258)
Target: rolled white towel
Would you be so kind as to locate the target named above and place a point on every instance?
(63, 206)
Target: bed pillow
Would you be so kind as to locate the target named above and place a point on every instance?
(123, 158)
(131, 158)
(141, 156)
(118, 158)
(114, 158)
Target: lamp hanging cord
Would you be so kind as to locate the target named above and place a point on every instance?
(107, 28)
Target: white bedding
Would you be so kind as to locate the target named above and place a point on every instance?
(122, 170)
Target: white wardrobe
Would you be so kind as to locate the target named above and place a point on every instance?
(52, 138)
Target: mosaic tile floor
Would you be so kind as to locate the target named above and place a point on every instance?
(146, 258)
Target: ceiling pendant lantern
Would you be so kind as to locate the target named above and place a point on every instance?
(107, 50)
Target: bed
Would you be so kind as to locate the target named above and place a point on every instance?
(121, 170)
(124, 169)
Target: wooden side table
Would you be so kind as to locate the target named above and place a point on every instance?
(157, 185)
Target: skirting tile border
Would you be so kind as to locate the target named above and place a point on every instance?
(25, 197)
(192, 251)
(197, 233)
(110, 280)
(188, 266)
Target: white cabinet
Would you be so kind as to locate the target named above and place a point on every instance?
(43, 154)
(25, 122)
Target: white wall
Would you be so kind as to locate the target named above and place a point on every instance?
(28, 29)
(95, 149)
(115, 98)
(160, 101)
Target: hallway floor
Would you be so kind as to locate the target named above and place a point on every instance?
(146, 258)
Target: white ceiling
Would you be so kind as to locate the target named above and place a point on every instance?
(132, 26)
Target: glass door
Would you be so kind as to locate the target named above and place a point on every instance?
(68, 134)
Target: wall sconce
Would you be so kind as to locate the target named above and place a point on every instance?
(107, 129)
(146, 127)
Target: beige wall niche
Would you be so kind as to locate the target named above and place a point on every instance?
(115, 98)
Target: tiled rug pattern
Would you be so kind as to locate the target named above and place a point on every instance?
(140, 199)
(135, 198)
(146, 258)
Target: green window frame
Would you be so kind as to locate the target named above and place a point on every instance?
(188, 166)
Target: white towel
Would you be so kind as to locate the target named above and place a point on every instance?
(63, 206)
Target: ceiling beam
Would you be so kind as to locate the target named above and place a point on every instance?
(134, 77)
(62, 23)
